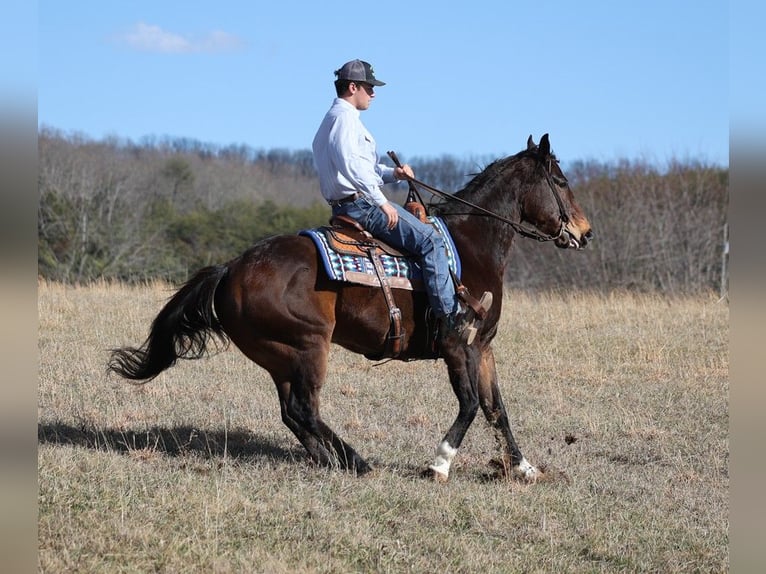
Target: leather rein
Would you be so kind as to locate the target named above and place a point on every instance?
(531, 233)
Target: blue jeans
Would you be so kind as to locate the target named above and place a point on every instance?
(419, 239)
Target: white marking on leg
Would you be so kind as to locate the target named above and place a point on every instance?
(526, 471)
(444, 455)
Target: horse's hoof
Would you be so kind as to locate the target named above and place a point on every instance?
(365, 470)
(523, 472)
(439, 477)
(433, 474)
(526, 472)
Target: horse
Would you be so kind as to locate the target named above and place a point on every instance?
(279, 308)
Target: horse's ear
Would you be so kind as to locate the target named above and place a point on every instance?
(545, 147)
(531, 143)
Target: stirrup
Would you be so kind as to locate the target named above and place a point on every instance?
(472, 314)
(468, 332)
(485, 302)
(462, 325)
(464, 322)
(478, 306)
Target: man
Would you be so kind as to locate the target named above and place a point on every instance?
(350, 178)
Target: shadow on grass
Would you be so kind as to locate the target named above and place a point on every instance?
(237, 444)
(176, 441)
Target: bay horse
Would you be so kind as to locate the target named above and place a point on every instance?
(277, 305)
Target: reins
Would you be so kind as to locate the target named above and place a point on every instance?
(520, 229)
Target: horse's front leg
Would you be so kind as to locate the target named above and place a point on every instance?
(463, 369)
(492, 404)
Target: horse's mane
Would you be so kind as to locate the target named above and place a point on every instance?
(482, 182)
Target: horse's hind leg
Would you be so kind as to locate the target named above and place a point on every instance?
(298, 386)
(300, 414)
(313, 446)
(492, 404)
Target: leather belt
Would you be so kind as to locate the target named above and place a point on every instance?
(345, 200)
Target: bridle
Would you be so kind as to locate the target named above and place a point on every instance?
(531, 233)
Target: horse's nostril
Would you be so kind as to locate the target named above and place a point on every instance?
(589, 235)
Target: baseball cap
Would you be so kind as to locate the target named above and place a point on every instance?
(358, 71)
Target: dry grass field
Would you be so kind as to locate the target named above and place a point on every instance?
(624, 396)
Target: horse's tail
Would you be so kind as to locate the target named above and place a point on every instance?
(181, 330)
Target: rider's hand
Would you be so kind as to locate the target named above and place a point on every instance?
(391, 213)
(404, 172)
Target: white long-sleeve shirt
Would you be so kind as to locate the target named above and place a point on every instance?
(346, 157)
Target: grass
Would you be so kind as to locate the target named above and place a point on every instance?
(624, 395)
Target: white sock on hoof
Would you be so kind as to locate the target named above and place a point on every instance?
(444, 455)
(525, 470)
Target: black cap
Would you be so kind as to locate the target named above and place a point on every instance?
(358, 71)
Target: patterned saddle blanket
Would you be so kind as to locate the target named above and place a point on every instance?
(345, 259)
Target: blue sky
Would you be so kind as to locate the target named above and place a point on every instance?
(608, 80)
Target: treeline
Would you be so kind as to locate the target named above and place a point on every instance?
(654, 231)
(162, 208)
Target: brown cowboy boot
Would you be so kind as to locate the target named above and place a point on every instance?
(463, 322)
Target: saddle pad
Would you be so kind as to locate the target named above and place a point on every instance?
(401, 272)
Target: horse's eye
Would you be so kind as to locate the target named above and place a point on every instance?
(562, 181)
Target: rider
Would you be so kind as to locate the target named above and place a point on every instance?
(350, 179)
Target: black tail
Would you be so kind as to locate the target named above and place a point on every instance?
(181, 330)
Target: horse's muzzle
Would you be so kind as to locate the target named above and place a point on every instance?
(571, 240)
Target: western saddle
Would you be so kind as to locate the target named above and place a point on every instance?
(346, 235)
